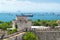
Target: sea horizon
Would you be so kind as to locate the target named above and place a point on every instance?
(41, 16)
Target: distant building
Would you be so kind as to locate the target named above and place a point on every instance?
(21, 23)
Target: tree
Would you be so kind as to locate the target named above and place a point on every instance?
(30, 36)
(1, 22)
(53, 25)
(36, 23)
(4, 26)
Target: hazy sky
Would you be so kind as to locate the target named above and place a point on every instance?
(29, 6)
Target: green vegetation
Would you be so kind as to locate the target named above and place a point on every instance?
(12, 31)
(1, 22)
(30, 36)
(4, 25)
(51, 23)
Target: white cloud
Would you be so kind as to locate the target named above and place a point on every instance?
(27, 6)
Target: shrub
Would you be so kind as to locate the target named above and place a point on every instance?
(30, 36)
(12, 31)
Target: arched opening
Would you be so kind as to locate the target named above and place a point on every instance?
(16, 26)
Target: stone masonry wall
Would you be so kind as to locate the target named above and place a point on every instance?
(48, 35)
(15, 37)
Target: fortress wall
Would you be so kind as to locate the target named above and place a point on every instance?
(15, 37)
(48, 35)
(42, 35)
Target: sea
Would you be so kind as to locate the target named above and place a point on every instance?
(42, 16)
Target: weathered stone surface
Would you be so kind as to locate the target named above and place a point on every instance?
(16, 37)
(48, 35)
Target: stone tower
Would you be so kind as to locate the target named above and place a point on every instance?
(21, 22)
